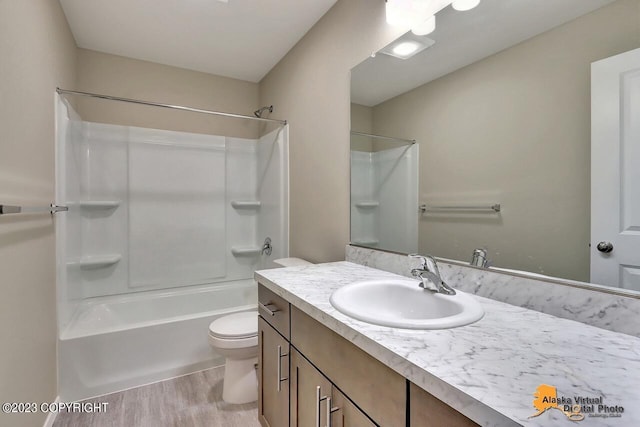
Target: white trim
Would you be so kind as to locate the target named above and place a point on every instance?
(51, 418)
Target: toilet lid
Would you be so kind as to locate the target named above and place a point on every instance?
(237, 325)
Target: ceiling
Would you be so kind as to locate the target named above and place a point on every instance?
(242, 39)
(463, 38)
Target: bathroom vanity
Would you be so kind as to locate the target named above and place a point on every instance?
(319, 367)
(307, 372)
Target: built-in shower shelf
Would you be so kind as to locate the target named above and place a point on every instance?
(366, 242)
(93, 262)
(246, 251)
(99, 204)
(367, 204)
(246, 204)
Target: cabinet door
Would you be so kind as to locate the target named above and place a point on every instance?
(346, 414)
(273, 374)
(309, 393)
(427, 411)
(377, 390)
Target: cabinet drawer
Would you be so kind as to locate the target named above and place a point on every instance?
(427, 411)
(274, 309)
(378, 390)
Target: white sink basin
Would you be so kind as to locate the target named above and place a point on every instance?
(403, 304)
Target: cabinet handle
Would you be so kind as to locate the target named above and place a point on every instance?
(318, 400)
(271, 309)
(330, 410)
(280, 379)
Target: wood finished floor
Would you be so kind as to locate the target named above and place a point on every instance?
(191, 401)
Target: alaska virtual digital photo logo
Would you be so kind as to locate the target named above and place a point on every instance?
(546, 397)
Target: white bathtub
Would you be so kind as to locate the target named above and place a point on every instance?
(118, 342)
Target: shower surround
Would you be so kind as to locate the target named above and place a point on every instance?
(384, 198)
(163, 234)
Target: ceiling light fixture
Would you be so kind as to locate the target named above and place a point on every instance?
(407, 46)
(464, 5)
(427, 26)
(420, 15)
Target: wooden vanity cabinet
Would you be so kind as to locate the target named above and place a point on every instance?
(306, 370)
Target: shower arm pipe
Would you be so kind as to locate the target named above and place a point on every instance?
(173, 107)
(390, 138)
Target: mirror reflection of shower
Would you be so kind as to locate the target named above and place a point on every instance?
(384, 191)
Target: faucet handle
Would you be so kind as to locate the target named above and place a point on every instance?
(423, 260)
(431, 265)
(428, 262)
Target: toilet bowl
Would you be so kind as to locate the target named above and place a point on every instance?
(236, 338)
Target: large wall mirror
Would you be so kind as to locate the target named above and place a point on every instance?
(516, 129)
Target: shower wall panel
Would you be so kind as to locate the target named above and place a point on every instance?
(272, 190)
(396, 188)
(69, 150)
(241, 223)
(176, 201)
(103, 208)
(364, 208)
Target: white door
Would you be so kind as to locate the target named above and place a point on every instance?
(615, 171)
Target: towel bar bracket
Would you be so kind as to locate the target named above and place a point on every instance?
(12, 209)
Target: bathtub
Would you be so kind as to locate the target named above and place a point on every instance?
(118, 342)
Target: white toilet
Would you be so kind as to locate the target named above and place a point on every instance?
(236, 338)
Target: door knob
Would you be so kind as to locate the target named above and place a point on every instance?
(605, 247)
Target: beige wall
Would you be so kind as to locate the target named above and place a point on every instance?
(361, 121)
(514, 128)
(37, 53)
(361, 118)
(310, 88)
(131, 78)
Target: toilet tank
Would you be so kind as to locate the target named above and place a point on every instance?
(291, 262)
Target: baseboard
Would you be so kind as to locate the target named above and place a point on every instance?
(51, 418)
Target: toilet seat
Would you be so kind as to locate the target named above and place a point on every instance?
(238, 330)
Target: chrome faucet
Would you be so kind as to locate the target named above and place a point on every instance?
(479, 258)
(429, 275)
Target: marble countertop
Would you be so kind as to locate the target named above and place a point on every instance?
(489, 370)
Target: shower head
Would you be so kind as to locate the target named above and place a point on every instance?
(258, 112)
